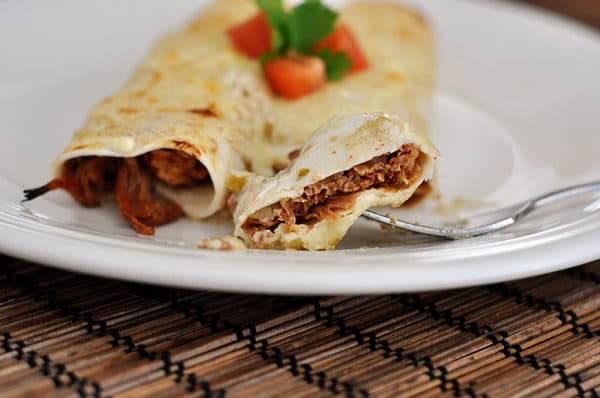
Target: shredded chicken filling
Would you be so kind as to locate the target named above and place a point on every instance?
(132, 180)
(327, 198)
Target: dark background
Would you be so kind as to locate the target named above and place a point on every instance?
(587, 11)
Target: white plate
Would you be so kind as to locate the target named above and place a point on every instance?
(516, 115)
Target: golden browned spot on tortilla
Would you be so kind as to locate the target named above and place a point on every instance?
(302, 172)
(406, 33)
(210, 111)
(293, 155)
(140, 93)
(156, 77)
(210, 86)
(247, 163)
(167, 109)
(278, 166)
(187, 148)
(170, 56)
(127, 111)
(395, 76)
(333, 138)
(152, 100)
(268, 131)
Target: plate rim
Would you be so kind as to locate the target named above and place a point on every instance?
(265, 273)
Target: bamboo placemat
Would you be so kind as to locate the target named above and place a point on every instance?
(68, 335)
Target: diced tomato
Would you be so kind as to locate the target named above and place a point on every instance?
(295, 75)
(342, 40)
(252, 37)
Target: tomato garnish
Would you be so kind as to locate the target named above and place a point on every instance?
(294, 76)
(342, 40)
(252, 37)
(300, 48)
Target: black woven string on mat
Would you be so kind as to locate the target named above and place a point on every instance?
(348, 346)
(98, 327)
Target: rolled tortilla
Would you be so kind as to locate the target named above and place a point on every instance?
(349, 165)
(200, 139)
(193, 95)
(196, 96)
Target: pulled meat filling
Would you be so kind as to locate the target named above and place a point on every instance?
(137, 200)
(89, 178)
(327, 198)
(175, 168)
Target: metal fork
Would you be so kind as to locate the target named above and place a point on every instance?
(507, 216)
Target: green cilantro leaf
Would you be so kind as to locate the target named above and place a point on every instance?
(277, 18)
(266, 57)
(274, 11)
(279, 39)
(337, 64)
(308, 23)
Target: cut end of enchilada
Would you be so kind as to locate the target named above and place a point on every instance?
(155, 176)
(334, 195)
(382, 163)
(138, 184)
